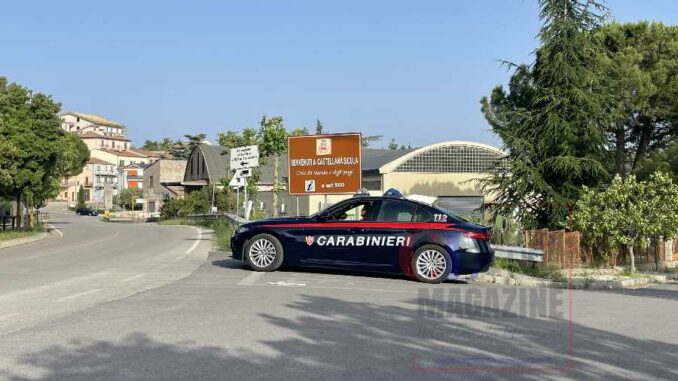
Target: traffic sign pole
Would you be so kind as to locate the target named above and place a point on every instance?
(237, 201)
(246, 216)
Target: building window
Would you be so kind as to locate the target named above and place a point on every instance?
(150, 182)
(122, 163)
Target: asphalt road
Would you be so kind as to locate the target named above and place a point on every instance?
(160, 313)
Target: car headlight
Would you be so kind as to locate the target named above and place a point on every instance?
(240, 230)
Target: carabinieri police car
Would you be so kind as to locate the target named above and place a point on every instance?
(388, 234)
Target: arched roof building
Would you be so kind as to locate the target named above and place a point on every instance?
(446, 170)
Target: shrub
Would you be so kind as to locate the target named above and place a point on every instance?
(628, 213)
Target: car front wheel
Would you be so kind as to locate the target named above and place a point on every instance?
(264, 253)
(431, 264)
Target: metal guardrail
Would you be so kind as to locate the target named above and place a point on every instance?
(228, 217)
(519, 253)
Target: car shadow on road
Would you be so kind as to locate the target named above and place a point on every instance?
(229, 263)
(332, 338)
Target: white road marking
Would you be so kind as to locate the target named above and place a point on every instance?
(3, 317)
(65, 298)
(196, 243)
(133, 277)
(250, 279)
(286, 284)
(61, 234)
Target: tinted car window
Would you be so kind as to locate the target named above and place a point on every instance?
(422, 215)
(396, 211)
(353, 211)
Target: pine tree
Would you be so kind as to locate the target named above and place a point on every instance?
(553, 120)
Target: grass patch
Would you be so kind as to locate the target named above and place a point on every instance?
(222, 230)
(6, 235)
(525, 268)
(176, 221)
(15, 234)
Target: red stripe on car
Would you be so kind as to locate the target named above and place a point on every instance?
(372, 225)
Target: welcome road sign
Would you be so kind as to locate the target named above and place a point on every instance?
(324, 164)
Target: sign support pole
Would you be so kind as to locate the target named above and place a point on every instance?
(247, 218)
(237, 201)
(297, 198)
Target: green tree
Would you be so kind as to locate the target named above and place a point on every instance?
(73, 156)
(553, 120)
(81, 198)
(298, 132)
(127, 197)
(368, 140)
(644, 82)
(31, 136)
(662, 160)
(319, 127)
(393, 145)
(273, 145)
(182, 149)
(628, 214)
(151, 145)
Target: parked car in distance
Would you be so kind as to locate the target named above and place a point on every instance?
(86, 212)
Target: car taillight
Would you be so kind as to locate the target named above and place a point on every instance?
(483, 236)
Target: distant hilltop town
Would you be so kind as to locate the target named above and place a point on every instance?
(113, 165)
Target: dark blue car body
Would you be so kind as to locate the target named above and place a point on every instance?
(385, 246)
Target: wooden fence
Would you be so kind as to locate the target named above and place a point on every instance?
(565, 249)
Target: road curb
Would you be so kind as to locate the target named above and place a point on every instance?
(513, 279)
(24, 241)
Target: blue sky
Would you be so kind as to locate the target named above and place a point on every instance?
(409, 70)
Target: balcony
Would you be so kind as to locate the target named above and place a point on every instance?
(105, 173)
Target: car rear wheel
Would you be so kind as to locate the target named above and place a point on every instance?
(431, 264)
(264, 253)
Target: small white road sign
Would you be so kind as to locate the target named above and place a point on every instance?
(244, 157)
(237, 182)
(244, 172)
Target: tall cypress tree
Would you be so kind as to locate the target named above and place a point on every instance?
(553, 119)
